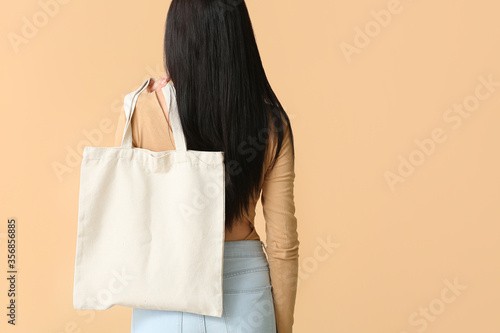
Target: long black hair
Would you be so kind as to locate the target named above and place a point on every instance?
(224, 99)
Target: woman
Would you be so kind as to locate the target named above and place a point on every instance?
(226, 104)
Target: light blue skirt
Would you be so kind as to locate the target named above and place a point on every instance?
(247, 301)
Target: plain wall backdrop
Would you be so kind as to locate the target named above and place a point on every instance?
(395, 111)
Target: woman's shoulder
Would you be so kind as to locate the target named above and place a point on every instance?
(285, 154)
(146, 102)
(150, 127)
(274, 134)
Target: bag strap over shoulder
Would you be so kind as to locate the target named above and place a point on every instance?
(129, 106)
(130, 102)
(173, 115)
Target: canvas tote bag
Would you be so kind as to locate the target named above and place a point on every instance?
(150, 224)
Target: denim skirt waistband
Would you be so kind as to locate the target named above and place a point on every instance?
(244, 249)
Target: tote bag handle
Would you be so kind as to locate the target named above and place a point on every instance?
(171, 101)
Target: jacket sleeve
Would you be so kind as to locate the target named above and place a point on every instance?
(281, 234)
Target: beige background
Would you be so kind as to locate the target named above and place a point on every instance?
(357, 106)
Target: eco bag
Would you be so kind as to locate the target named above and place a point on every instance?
(150, 224)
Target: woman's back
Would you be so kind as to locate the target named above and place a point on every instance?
(151, 130)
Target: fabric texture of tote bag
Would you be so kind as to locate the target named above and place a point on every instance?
(151, 224)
